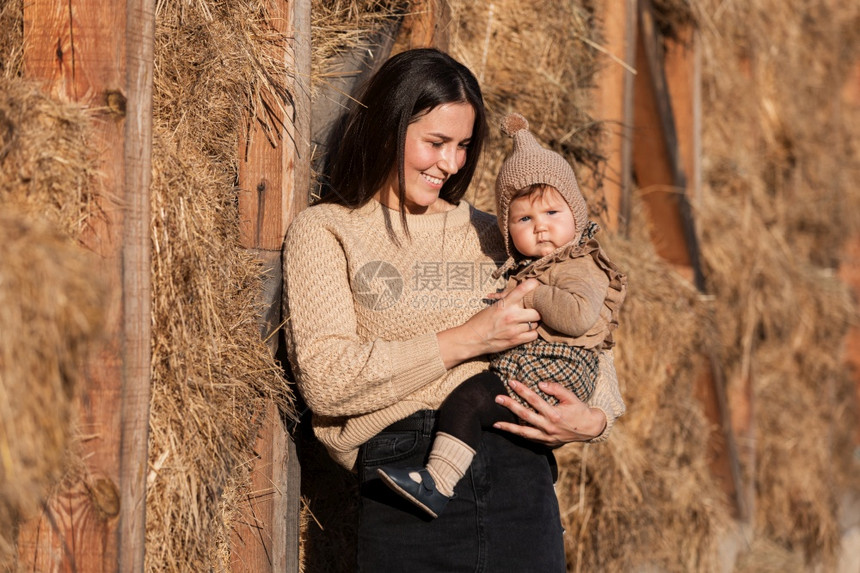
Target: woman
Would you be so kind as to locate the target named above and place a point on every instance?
(386, 279)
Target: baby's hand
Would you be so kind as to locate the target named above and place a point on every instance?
(499, 295)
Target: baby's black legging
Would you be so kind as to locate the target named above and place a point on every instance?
(472, 407)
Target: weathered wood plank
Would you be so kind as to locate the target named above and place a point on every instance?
(274, 179)
(659, 172)
(136, 279)
(424, 26)
(79, 48)
(274, 176)
(722, 446)
(683, 68)
(614, 106)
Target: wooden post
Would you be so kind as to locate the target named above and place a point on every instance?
(849, 273)
(136, 277)
(274, 181)
(659, 171)
(99, 53)
(667, 111)
(683, 82)
(426, 25)
(349, 70)
(614, 106)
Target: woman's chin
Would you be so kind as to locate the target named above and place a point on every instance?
(429, 205)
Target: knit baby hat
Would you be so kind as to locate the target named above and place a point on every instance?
(530, 164)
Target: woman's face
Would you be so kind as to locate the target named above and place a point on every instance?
(436, 145)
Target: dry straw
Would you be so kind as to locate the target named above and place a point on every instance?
(780, 200)
(11, 41)
(534, 58)
(51, 314)
(339, 26)
(51, 304)
(211, 372)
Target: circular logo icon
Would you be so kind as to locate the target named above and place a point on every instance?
(377, 285)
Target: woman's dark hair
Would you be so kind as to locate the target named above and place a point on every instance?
(406, 87)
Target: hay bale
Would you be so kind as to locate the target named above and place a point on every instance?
(535, 58)
(212, 374)
(47, 163)
(11, 42)
(777, 205)
(51, 314)
(647, 497)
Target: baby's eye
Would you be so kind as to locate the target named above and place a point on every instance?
(524, 219)
(552, 212)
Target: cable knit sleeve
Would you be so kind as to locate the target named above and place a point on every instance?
(337, 372)
(607, 395)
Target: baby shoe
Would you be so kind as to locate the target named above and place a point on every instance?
(423, 494)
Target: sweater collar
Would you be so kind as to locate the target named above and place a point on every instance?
(459, 215)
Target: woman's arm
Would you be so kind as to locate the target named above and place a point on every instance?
(339, 373)
(570, 420)
(502, 325)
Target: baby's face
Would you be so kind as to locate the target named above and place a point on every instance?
(540, 222)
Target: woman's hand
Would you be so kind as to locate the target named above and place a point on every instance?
(504, 324)
(571, 420)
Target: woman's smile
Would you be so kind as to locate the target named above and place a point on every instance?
(435, 149)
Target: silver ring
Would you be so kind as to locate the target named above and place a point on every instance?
(530, 325)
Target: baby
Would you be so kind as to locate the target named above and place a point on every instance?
(544, 220)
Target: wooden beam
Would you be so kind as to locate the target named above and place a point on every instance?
(136, 278)
(614, 107)
(425, 26)
(346, 74)
(659, 171)
(849, 273)
(723, 453)
(99, 54)
(274, 181)
(683, 83)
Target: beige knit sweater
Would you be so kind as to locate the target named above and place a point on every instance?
(363, 314)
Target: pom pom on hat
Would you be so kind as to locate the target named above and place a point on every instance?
(529, 164)
(512, 123)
